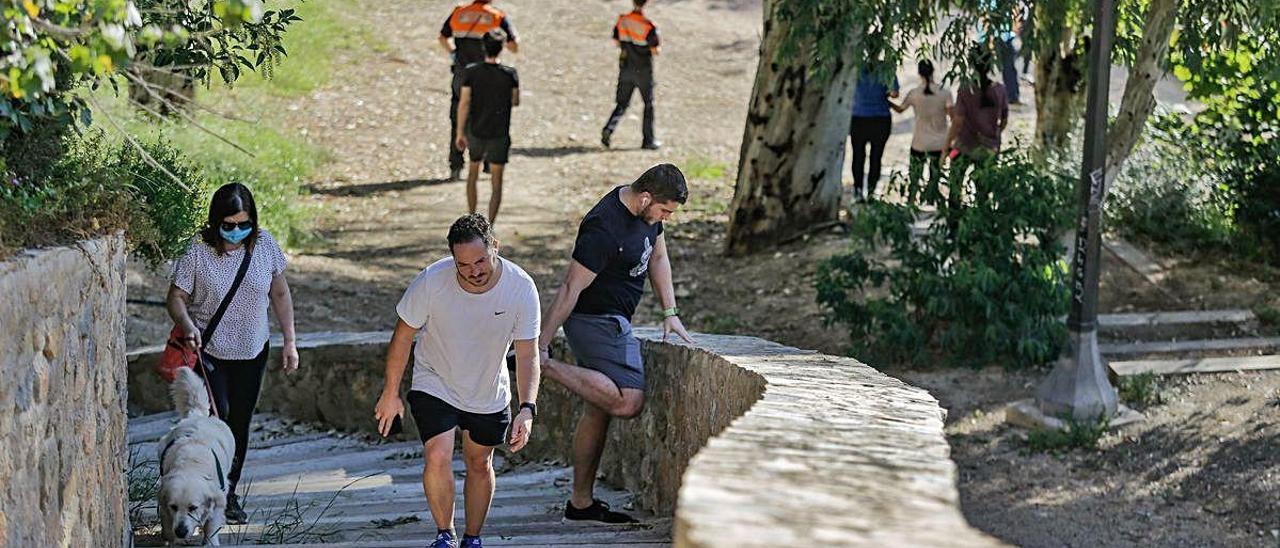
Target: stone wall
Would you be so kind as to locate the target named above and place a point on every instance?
(338, 382)
(746, 442)
(62, 398)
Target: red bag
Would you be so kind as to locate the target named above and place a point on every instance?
(176, 354)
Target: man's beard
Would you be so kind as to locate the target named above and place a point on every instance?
(644, 214)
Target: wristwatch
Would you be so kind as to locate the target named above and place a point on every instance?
(532, 407)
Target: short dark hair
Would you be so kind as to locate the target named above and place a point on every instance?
(665, 182)
(228, 200)
(493, 41)
(469, 228)
(640, 3)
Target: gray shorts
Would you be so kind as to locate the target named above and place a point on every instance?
(605, 343)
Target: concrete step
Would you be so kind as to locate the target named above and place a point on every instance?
(1199, 348)
(1196, 365)
(1177, 325)
(321, 488)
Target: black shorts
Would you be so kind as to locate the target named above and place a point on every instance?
(489, 149)
(435, 416)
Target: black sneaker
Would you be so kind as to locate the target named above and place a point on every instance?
(605, 138)
(651, 145)
(598, 511)
(235, 514)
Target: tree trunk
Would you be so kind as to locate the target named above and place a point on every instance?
(161, 91)
(1139, 90)
(793, 145)
(1059, 78)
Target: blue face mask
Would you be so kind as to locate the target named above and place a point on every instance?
(234, 236)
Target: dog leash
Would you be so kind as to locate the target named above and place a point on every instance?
(204, 374)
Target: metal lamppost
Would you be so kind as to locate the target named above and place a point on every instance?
(1078, 387)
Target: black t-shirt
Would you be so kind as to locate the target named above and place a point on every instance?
(471, 50)
(490, 114)
(616, 245)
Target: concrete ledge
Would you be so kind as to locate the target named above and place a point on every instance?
(834, 453)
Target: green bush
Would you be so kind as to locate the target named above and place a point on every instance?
(990, 290)
(71, 199)
(1141, 390)
(172, 212)
(1075, 435)
(1167, 195)
(1237, 134)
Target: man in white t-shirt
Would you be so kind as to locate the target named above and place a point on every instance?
(466, 310)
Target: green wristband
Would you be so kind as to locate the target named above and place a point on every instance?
(669, 312)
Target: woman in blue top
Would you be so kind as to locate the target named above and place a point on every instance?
(870, 125)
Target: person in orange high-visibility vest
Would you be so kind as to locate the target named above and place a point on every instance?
(637, 40)
(466, 25)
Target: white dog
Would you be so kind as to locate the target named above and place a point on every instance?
(195, 457)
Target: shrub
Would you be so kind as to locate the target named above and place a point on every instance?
(1141, 390)
(1074, 435)
(172, 212)
(988, 291)
(99, 187)
(1168, 196)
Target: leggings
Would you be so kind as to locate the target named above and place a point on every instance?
(865, 131)
(919, 159)
(235, 385)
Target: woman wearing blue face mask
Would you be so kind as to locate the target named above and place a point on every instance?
(236, 329)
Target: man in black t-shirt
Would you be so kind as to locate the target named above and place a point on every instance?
(637, 40)
(489, 91)
(619, 245)
(467, 25)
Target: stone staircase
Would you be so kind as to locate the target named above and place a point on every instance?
(304, 486)
(1201, 341)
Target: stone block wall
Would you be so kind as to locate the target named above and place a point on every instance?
(62, 398)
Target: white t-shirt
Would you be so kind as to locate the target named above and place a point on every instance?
(463, 337)
(207, 277)
(931, 117)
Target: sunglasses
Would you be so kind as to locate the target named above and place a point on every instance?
(232, 226)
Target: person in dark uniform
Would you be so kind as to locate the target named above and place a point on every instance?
(637, 40)
(466, 25)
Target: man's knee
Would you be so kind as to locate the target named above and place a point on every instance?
(629, 407)
(438, 455)
(478, 462)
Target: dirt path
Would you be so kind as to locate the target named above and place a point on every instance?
(387, 201)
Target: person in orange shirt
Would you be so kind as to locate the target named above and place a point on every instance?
(637, 40)
(466, 26)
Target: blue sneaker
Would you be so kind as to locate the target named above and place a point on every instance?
(444, 540)
(471, 542)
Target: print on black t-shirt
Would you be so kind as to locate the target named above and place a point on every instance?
(491, 84)
(617, 246)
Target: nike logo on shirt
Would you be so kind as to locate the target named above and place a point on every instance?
(499, 313)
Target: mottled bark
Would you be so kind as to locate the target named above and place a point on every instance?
(1139, 90)
(792, 147)
(1059, 94)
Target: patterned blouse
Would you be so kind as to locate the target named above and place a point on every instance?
(207, 276)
